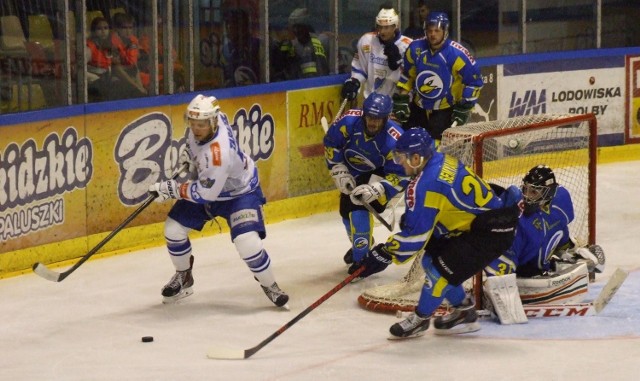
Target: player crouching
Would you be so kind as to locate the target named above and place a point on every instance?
(543, 265)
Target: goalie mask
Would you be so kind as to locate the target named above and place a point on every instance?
(538, 188)
(201, 117)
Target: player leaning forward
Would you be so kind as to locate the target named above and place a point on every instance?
(224, 183)
(455, 217)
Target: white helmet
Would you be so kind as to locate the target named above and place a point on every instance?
(203, 108)
(388, 16)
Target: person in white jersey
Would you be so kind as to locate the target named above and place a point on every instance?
(377, 64)
(223, 182)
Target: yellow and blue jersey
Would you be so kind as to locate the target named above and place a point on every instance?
(442, 201)
(347, 143)
(442, 78)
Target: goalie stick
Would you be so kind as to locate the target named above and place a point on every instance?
(54, 276)
(240, 354)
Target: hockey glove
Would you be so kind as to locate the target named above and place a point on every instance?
(350, 89)
(401, 107)
(186, 162)
(165, 190)
(367, 193)
(343, 179)
(376, 260)
(394, 59)
(461, 113)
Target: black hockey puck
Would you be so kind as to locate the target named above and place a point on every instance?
(147, 339)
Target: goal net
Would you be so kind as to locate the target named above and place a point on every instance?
(502, 152)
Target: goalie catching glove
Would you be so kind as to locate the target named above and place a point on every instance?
(165, 190)
(376, 260)
(367, 193)
(342, 178)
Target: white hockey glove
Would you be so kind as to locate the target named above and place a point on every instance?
(343, 179)
(367, 193)
(165, 190)
(186, 162)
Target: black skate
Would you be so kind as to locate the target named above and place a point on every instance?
(413, 326)
(276, 295)
(348, 257)
(462, 319)
(180, 286)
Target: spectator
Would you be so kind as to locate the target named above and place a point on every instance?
(240, 50)
(418, 15)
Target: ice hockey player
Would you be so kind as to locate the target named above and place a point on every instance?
(443, 78)
(358, 151)
(542, 250)
(455, 217)
(377, 63)
(223, 183)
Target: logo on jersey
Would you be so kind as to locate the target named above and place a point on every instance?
(410, 196)
(216, 156)
(429, 84)
(359, 162)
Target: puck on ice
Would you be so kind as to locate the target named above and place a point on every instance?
(147, 339)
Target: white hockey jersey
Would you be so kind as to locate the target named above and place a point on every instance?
(224, 171)
(370, 65)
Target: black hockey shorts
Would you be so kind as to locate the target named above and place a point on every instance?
(459, 258)
(346, 206)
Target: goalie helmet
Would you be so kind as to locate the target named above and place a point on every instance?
(538, 188)
(203, 108)
(415, 140)
(388, 16)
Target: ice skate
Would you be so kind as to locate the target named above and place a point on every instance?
(348, 257)
(413, 326)
(276, 295)
(180, 286)
(462, 319)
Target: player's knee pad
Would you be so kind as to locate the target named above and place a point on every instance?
(250, 248)
(177, 237)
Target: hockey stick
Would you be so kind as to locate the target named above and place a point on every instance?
(241, 354)
(54, 276)
(323, 120)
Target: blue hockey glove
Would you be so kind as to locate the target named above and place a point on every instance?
(376, 260)
(401, 107)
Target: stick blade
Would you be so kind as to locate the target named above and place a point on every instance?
(325, 124)
(610, 289)
(226, 354)
(45, 273)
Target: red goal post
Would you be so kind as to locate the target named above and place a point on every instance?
(502, 152)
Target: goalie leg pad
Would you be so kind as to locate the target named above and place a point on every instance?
(502, 292)
(568, 286)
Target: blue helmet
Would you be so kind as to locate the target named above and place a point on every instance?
(415, 140)
(377, 105)
(439, 19)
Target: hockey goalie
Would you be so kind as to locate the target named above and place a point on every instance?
(543, 265)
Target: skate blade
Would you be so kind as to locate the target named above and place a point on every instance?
(414, 336)
(181, 295)
(458, 329)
